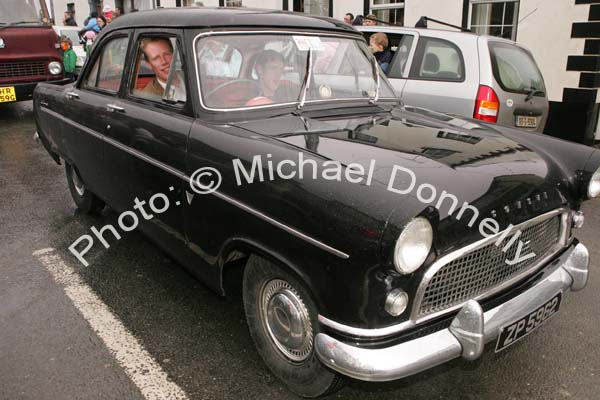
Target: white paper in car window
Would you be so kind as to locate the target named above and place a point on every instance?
(308, 42)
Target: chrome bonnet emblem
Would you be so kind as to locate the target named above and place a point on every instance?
(2, 45)
(518, 205)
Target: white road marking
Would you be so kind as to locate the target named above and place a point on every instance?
(138, 364)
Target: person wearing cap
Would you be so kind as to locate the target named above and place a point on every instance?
(69, 57)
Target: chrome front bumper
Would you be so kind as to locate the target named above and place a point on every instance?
(470, 330)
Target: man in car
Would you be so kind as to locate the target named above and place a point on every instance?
(269, 68)
(158, 53)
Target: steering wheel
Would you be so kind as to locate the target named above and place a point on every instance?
(227, 94)
(225, 85)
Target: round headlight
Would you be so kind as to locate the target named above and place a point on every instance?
(55, 68)
(413, 245)
(594, 186)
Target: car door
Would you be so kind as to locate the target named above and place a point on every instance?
(439, 78)
(146, 142)
(403, 47)
(84, 108)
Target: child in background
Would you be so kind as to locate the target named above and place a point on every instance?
(88, 38)
(378, 42)
(69, 57)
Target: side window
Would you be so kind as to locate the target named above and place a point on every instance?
(107, 71)
(438, 60)
(159, 74)
(402, 51)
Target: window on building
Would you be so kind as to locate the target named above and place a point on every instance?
(233, 3)
(313, 7)
(391, 11)
(495, 18)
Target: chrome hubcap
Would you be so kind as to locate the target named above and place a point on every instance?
(79, 187)
(287, 320)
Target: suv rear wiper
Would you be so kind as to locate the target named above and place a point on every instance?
(532, 92)
(307, 78)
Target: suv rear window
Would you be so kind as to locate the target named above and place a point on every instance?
(515, 69)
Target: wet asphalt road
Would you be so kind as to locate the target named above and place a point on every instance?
(48, 351)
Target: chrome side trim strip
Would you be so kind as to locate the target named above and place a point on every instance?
(71, 122)
(376, 333)
(218, 194)
(282, 226)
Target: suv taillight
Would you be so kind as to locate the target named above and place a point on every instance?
(487, 105)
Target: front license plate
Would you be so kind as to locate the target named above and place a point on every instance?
(526, 122)
(523, 327)
(7, 94)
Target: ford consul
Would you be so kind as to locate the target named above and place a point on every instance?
(373, 240)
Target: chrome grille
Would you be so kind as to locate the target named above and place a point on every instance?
(19, 69)
(482, 270)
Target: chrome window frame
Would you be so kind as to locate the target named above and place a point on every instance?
(273, 32)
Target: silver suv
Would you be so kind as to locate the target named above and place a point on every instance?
(488, 78)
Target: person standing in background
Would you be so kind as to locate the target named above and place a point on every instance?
(349, 18)
(69, 18)
(69, 57)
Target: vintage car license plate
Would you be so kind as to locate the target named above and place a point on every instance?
(524, 121)
(7, 93)
(524, 326)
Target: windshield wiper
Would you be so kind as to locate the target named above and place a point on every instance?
(532, 92)
(376, 76)
(307, 78)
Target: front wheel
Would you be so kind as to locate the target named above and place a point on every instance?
(282, 320)
(84, 199)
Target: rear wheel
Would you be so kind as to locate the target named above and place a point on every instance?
(282, 320)
(84, 199)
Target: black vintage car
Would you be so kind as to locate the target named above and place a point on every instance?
(374, 240)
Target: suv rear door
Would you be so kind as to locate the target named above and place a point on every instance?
(443, 76)
(513, 74)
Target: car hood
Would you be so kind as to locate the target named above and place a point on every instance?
(500, 176)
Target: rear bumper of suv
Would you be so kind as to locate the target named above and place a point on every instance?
(470, 330)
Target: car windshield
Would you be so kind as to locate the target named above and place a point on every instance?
(515, 70)
(262, 70)
(15, 12)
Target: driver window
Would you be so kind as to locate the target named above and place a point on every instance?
(159, 74)
(107, 70)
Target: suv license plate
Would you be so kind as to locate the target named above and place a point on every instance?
(7, 94)
(524, 326)
(526, 121)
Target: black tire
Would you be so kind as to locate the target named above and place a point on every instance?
(86, 201)
(301, 371)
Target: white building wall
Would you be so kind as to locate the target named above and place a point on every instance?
(341, 8)
(546, 30)
(82, 10)
(449, 11)
(269, 4)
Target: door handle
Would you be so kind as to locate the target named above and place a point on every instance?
(71, 95)
(44, 103)
(114, 108)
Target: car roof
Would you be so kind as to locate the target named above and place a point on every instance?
(214, 17)
(438, 33)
